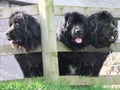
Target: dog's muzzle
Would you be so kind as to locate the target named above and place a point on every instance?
(114, 36)
(78, 36)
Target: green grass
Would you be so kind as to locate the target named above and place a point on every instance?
(41, 84)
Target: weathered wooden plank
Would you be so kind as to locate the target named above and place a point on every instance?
(114, 47)
(62, 48)
(7, 50)
(82, 80)
(61, 10)
(6, 12)
(90, 3)
(48, 37)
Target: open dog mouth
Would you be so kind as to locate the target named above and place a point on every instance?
(78, 40)
(10, 42)
(15, 45)
(113, 38)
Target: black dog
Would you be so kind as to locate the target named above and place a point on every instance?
(24, 34)
(74, 33)
(103, 29)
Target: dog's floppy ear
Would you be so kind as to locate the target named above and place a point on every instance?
(60, 29)
(32, 25)
(92, 22)
(61, 26)
(67, 15)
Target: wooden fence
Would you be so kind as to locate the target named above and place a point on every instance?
(47, 12)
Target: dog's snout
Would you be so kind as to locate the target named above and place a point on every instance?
(7, 33)
(78, 31)
(115, 30)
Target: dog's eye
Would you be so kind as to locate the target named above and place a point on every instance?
(16, 25)
(69, 23)
(82, 25)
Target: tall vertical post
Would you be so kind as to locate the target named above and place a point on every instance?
(48, 39)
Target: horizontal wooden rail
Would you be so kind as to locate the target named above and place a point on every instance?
(30, 9)
(101, 80)
(8, 50)
(84, 80)
(59, 10)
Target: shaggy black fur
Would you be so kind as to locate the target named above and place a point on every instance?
(73, 31)
(74, 26)
(81, 63)
(101, 33)
(24, 34)
(103, 29)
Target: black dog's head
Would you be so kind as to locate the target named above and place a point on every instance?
(103, 29)
(24, 31)
(73, 30)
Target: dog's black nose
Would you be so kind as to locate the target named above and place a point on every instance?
(6, 33)
(78, 31)
(115, 30)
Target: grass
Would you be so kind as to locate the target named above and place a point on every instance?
(41, 84)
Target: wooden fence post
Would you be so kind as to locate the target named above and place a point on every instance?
(48, 38)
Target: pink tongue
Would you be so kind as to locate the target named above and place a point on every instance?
(112, 37)
(78, 40)
(10, 42)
